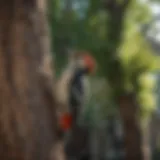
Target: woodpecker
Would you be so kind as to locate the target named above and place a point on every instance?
(73, 89)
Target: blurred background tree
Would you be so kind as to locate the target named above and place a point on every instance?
(118, 35)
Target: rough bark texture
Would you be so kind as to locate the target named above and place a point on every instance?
(27, 120)
(132, 130)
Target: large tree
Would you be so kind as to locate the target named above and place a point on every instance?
(126, 100)
(27, 109)
(127, 67)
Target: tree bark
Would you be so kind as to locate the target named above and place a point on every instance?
(27, 109)
(132, 131)
(146, 141)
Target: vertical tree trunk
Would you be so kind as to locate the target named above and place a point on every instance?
(132, 130)
(146, 141)
(27, 111)
(127, 102)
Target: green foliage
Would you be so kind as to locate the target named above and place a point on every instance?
(99, 107)
(138, 59)
(146, 96)
(123, 61)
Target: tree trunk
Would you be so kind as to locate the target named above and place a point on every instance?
(27, 109)
(146, 141)
(132, 130)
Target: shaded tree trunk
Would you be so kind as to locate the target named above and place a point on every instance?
(27, 109)
(132, 131)
(115, 76)
(146, 141)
